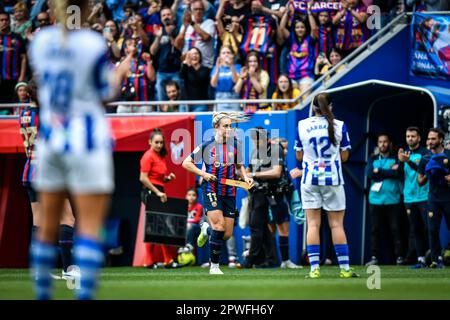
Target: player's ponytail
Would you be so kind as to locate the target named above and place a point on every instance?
(321, 104)
(60, 12)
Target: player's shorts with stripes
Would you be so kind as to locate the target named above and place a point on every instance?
(90, 172)
(227, 204)
(330, 198)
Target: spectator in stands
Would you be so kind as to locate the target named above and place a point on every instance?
(323, 65)
(138, 84)
(325, 37)
(388, 10)
(13, 61)
(117, 9)
(22, 96)
(436, 5)
(195, 215)
(252, 83)
(168, 56)
(415, 196)
(259, 33)
(22, 25)
(197, 32)
(111, 35)
(196, 78)
(151, 16)
(42, 21)
(274, 8)
(233, 8)
(180, 6)
(351, 26)
(260, 36)
(173, 93)
(285, 90)
(229, 30)
(384, 197)
(224, 76)
(302, 44)
(154, 175)
(97, 15)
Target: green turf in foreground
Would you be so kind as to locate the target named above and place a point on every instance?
(196, 283)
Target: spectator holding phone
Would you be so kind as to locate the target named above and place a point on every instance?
(224, 76)
(323, 65)
(111, 34)
(137, 86)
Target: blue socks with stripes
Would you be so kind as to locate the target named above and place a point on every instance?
(43, 257)
(215, 245)
(313, 256)
(88, 256)
(342, 255)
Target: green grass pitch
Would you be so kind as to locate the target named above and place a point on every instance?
(195, 283)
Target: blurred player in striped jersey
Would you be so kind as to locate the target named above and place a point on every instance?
(29, 123)
(222, 156)
(74, 149)
(322, 145)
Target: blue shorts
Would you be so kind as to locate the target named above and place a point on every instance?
(280, 211)
(226, 204)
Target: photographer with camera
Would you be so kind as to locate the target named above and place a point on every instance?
(267, 168)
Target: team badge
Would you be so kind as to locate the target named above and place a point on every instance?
(408, 211)
(430, 214)
(216, 164)
(214, 204)
(417, 161)
(445, 161)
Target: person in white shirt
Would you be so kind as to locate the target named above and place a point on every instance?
(323, 144)
(74, 147)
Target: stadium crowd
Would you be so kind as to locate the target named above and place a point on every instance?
(200, 49)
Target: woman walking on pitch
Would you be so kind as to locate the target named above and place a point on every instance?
(222, 156)
(322, 145)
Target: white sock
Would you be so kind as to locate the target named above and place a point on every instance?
(214, 265)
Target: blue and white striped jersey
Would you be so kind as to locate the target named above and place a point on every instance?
(74, 77)
(321, 159)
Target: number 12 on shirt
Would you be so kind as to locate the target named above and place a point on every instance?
(321, 145)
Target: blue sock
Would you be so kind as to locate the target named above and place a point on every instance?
(209, 231)
(215, 245)
(43, 256)
(88, 256)
(313, 256)
(342, 255)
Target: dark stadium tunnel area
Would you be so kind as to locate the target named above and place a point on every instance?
(369, 108)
